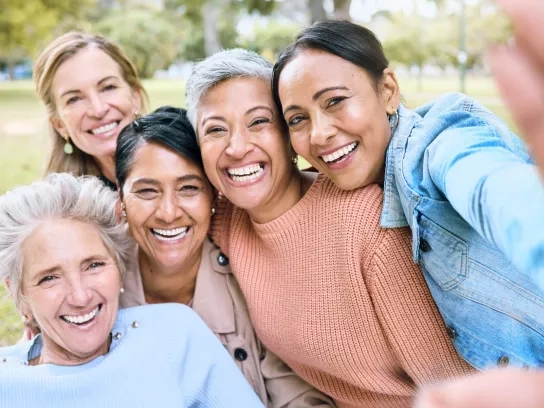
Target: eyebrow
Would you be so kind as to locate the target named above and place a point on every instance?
(316, 96)
(98, 83)
(154, 182)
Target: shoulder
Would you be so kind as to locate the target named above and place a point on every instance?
(19, 350)
(158, 316)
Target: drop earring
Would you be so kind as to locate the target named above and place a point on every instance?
(213, 211)
(68, 148)
(136, 115)
(123, 211)
(294, 159)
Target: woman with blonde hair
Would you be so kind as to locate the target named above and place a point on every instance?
(91, 91)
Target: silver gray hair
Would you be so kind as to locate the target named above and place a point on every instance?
(58, 196)
(220, 67)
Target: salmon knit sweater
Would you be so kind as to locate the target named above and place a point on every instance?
(338, 298)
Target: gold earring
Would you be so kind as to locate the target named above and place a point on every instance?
(68, 148)
(123, 210)
(136, 115)
(24, 318)
(294, 160)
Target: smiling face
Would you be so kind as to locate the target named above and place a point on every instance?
(338, 120)
(93, 101)
(246, 153)
(71, 288)
(168, 205)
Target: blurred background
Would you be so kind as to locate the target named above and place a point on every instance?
(435, 46)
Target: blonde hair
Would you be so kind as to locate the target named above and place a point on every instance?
(58, 196)
(45, 68)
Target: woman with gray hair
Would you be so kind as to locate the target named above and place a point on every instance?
(330, 292)
(62, 255)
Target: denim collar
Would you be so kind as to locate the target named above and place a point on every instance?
(393, 213)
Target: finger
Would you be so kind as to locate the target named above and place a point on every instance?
(522, 88)
(528, 19)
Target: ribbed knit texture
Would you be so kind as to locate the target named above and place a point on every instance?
(169, 358)
(338, 298)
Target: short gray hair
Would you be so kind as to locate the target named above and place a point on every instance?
(58, 196)
(222, 66)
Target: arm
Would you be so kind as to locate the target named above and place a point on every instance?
(497, 192)
(286, 389)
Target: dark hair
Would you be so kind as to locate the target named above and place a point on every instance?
(167, 126)
(346, 40)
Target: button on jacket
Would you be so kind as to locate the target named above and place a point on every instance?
(471, 194)
(220, 303)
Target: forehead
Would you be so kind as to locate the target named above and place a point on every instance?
(236, 94)
(87, 67)
(319, 69)
(61, 241)
(152, 160)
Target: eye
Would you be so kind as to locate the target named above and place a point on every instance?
(214, 130)
(46, 279)
(259, 121)
(335, 101)
(72, 100)
(189, 190)
(97, 265)
(295, 120)
(146, 193)
(109, 87)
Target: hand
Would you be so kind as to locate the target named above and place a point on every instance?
(519, 72)
(502, 388)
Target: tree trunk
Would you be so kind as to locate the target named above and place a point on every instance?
(210, 15)
(317, 12)
(341, 10)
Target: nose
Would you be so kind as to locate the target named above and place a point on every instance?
(97, 106)
(168, 209)
(322, 130)
(239, 144)
(80, 294)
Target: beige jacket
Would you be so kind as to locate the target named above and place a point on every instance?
(220, 303)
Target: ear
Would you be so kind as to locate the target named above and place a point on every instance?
(137, 100)
(389, 91)
(58, 125)
(119, 209)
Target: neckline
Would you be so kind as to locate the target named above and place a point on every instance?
(289, 218)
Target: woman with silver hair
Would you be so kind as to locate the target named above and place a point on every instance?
(330, 292)
(63, 254)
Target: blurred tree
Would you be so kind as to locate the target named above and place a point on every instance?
(204, 15)
(271, 39)
(146, 35)
(340, 10)
(27, 25)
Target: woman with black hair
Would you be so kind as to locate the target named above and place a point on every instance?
(166, 200)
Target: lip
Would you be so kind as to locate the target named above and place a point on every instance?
(171, 241)
(332, 150)
(87, 325)
(241, 184)
(342, 164)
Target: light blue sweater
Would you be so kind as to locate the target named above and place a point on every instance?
(160, 356)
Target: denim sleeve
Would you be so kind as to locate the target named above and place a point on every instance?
(494, 188)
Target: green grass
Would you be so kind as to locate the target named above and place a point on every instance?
(24, 139)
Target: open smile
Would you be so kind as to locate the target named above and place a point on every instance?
(104, 130)
(340, 154)
(242, 176)
(170, 235)
(83, 320)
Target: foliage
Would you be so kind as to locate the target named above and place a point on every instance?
(271, 38)
(147, 37)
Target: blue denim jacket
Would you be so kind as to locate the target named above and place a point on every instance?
(468, 189)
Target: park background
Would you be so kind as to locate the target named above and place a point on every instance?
(435, 46)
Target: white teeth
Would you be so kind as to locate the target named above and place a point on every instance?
(246, 174)
(170, 234)
(104, 129)
(241, 171)
(82, 319)
(339, 153)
